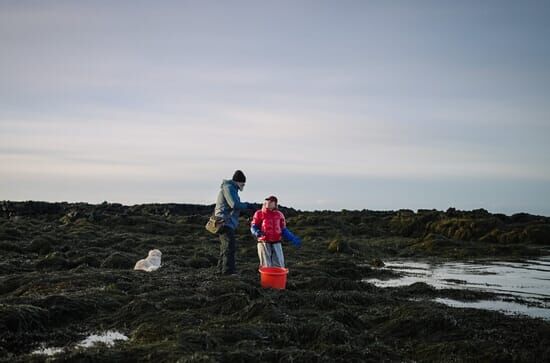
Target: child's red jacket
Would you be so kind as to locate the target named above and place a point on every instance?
(271, 223)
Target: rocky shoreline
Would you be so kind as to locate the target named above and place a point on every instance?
(67, 273)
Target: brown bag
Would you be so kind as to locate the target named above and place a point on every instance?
(214, 224)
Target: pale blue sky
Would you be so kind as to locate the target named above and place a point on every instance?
(327, 104)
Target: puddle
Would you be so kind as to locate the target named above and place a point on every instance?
(528, 280)
(506, 307)
(108, 338)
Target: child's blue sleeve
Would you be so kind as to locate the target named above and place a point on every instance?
(291, 237)
(256, 231)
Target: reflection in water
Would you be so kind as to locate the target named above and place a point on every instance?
(507, 307)
(528, 280)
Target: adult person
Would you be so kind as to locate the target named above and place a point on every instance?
(229, 207)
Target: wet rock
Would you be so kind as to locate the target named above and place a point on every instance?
(376, 262)
(54, 261)
(91, 261)
(21, 318)
(409, 224)
(194, 219)
(196, 340)
(491, 237)
(34, 208)
(433, 242)
(261, 311)
(524, 218)
(513, 237)
(199, 262)
(40, 245)
(9, 247)
(6, 209)
(417, 289)
(71, 216)
(65, 309)
(339, 246)
(119, 260)
(150, 333)
(419, 322)
(95, 216)
(10, 234)
(539, 234)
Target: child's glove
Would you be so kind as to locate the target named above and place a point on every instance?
(296, 242)
(256, 231)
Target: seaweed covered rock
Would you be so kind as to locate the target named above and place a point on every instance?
(539, 233)
(9, 247)
(200, 262)
(463, 228)
(407, 223)
(119, 260)
(41, 245)
(475, 225)
(337, 245)
(52, 292)
(433, 242)
(376, 262)
(21, 318)
(71, 216)
(54, 261)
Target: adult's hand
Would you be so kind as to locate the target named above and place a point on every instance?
(252, 208)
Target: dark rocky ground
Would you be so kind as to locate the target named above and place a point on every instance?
(67, 271)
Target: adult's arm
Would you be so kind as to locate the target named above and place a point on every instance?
(232, 197)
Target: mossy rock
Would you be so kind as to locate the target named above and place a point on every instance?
(10, 234)
(149, 332)
(376, 262)
(9, 247)
(199, 262)
(433, 242)
(539, 234)
(491, 237)
(40, 245)
(91, 261)
(119, 260)
(465, 228)
(21, 318)
(71, 216)
(54, 261)
(513, 237)
(62, 309)
(339, 246)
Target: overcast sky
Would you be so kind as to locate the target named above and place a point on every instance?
(326, 104)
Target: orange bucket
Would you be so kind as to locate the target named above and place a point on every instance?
(274, 277)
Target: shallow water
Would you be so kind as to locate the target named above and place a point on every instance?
(528, 280)
(507, 307)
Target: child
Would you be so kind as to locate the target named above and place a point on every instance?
(268, 226)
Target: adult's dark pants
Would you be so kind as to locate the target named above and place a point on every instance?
(228, 250)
